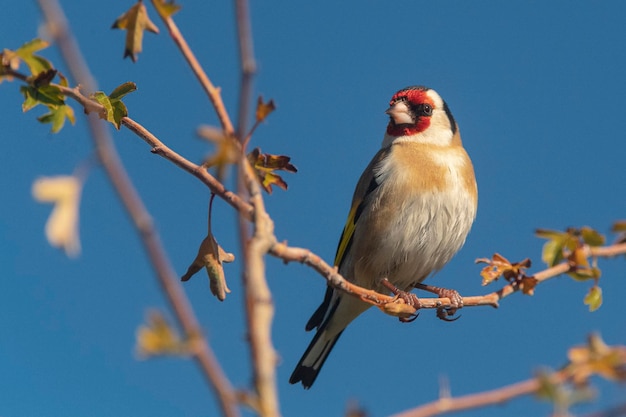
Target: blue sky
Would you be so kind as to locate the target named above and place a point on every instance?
(537, 90)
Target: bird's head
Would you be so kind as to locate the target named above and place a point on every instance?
(419, 114)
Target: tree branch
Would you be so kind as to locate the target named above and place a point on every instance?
(259, 304)
(139, 215)
(214, 93)
(446, 404)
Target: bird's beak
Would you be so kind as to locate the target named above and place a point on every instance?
(400, 113)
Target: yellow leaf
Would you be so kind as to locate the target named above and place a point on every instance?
(593, 298)
(157, 337)
(35, 63)
(597, 358)
(227, 149)
(165, 9)
(62, 225)
(591, 237)
(134, 21)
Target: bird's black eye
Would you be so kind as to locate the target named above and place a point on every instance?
(425, 110)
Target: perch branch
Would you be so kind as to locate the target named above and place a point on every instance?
(305, 256)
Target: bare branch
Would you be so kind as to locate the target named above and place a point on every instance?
(214, 93)
(259, 304)
(447, 405)
(142, 220)
(248, 65)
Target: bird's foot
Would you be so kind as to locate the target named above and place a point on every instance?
(456, 301)
(409, 298)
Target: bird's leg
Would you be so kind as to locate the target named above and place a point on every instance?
(456, 300)
(409, 298)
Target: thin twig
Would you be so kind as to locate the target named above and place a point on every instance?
(214, 93)
(248, 65)
(446, 405)
(616, 411)
(138, 213)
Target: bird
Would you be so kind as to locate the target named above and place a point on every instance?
(411, 212)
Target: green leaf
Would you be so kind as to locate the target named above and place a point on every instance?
(57, 115)
(134, 21)
(552, 252)
(123, 89)
(585, 274)
(35, 63)
(591, 237)
(119, 112)
(593, 298)
(45, 94)
(114, 110)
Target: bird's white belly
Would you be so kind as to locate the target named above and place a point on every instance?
(425, 233)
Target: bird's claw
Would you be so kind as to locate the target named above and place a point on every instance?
(456, 301)
(408, 298)
(445, 313)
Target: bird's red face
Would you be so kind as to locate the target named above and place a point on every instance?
(410, 111)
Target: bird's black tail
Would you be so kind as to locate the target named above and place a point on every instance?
(313, 359)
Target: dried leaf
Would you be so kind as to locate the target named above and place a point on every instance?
(134, 21)
(264, 109)
(499, 266)
(528, 284)
(265, 164)
(211, 256)
(43, 78)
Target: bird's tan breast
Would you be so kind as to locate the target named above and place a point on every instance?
(424, 168)
(423, 210)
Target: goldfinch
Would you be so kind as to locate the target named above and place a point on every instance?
(411, 212)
